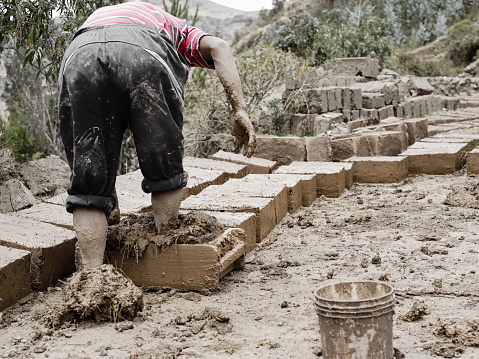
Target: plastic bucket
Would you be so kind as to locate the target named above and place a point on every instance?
(356, 320)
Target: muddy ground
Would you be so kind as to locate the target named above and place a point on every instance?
(403, 234)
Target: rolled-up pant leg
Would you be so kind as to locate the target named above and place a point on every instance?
(92, 127)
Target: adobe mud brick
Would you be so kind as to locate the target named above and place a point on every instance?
(386, 143)
(265, 208)
(255, 165)
(317, 100)
(243, 220)
(435, 158)
(299, 124)
(48, 213)
(358, 66)
(308, 188)
(399, 111)
(185, 266)
(14, 276)
(346, 98)
(392, 124)
(386, 112)
(416, 107)
(231, 170)
(407, 106)
(417, 128)
(131, 198)
(373, 100)
(371, 115)
(292, 182)
(382, 169)
(308, 184)
(356, 99)
(259, 187)
(355, 124)
(282, 150)
(330, 176)
(323, 122)
(52, 248)
(450, 103)
(472, 161)
(345, 147)
(318, 148)
(355, 114)
(347, 115)
(419, 86)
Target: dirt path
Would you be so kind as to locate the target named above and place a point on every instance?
(426, 250)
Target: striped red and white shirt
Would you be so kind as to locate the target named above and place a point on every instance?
(185, 38)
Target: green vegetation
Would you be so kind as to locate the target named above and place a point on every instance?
(462, 43)
(335, 34)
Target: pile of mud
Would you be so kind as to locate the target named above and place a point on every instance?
(464, 197)
(135, 232)
(461, 332)
(102, 294)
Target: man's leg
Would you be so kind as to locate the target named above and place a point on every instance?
(91, 226)
(166, 205)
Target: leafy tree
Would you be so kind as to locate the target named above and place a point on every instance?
(32, 126)
(40, 30)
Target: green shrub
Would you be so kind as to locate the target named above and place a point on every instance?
(407, 64)
(335, 34)
(462, 42)
(26, 145)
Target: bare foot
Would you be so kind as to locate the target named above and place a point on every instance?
(166, 205)
(91, 227)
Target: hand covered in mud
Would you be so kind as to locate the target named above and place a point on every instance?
(244, 132)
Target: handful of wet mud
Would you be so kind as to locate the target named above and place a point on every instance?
(102, 294)
(135, 232)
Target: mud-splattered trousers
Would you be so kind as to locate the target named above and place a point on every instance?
(113, 77)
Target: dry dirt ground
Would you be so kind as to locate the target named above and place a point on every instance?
(403, 234)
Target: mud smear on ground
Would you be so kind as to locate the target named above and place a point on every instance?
(102, 294)
(135, 232)
(467, 197)
(209, 318)
(461, 332)
(445, 349)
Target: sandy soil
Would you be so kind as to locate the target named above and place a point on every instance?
(403, 234)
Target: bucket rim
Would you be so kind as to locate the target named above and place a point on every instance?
(389, 293)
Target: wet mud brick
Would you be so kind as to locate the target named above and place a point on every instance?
(382, 169)
(244, 221)
(417, 128)
(14, 276)
(255, 165)
(292, 183)
(473, 162)
(330, 176)
(185, 266)
(435, 158)
(131, 198)
(200, 178)
(258, 188)
(239, 188)
(387, 143)
(231, 170)
(48, 213)
(263, 207)
(52, 248)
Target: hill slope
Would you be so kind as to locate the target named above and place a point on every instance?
(214, 16)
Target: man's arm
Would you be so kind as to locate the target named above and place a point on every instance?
(218, 50)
